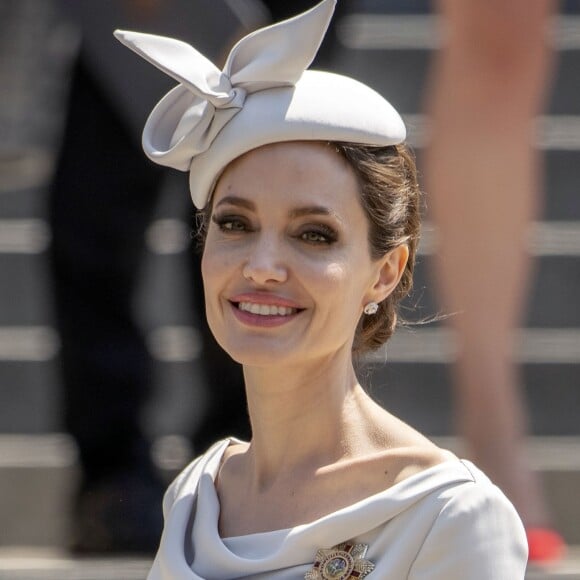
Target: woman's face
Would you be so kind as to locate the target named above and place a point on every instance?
(286, 265)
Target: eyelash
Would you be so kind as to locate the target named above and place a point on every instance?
(236, 224)
(222, 222)
(321, 230)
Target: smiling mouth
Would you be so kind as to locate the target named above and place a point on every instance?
(265, 309)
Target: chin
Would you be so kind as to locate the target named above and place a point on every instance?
(259, 357)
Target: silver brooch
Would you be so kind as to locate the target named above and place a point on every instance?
(340, 563)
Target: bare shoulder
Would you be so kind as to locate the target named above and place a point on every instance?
(233, 452)
(400, 451)
(409, 461)
(233, 449)
(409, 452)
(230, 462)
(387, 466)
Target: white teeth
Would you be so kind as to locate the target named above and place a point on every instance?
(266, 309)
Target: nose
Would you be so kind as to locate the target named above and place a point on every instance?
(265, 263)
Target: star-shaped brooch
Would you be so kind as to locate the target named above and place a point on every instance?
(340, 563)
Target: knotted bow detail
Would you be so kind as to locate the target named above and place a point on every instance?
(187, 120)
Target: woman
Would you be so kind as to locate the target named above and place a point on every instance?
(310, 225)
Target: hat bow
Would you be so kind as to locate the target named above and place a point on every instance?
(187, 120)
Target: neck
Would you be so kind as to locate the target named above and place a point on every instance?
(304, 418)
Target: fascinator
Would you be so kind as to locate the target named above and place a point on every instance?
(264, 94)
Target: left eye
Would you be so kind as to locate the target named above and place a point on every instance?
(314, 237)
(320, 234)
(233, 225)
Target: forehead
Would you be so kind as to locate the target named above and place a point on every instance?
(296, 171)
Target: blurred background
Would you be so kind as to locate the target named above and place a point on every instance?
(385, 43)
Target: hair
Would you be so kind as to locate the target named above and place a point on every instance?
(391, 199)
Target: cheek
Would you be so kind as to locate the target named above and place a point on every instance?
(336, 284)
(212, 270)
(335, 274)
(341, 279)
(346, 282)
(216, 260)
(206, 267)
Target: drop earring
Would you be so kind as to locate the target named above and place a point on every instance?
(371, 308)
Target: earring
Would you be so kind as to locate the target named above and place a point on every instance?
(371, 308)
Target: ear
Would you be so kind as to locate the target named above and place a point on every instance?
(390, 268)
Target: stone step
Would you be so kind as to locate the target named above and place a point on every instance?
(26, 564)
(21, 563)
(39, 476)
(552, 303)
(420, 393)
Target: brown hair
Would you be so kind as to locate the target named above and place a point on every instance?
(391, 200)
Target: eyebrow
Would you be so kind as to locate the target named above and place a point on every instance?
(235, 200)
(312, 210)
(295, 213)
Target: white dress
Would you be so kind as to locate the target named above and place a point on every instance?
(448, 522)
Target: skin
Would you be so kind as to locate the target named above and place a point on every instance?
(484, 177)
(319, 442)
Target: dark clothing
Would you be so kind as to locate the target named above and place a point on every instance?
(101, 201)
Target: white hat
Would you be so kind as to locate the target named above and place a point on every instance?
(263, 95)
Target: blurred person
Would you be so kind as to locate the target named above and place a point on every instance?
(310, 212)
(484, 180)
(98, 216)
(102, 199)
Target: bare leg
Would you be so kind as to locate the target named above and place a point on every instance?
(483, 178)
